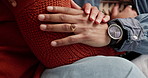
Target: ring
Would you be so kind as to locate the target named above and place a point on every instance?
(73, 27)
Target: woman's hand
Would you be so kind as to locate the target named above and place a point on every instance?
(74, 20)
(95, 36)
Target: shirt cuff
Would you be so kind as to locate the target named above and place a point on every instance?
(134, 32)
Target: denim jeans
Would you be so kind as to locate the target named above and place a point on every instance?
(96, 67)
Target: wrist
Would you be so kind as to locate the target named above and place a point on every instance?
(107, 38)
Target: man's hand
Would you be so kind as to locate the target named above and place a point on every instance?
(76, 21)
(93, 12)
(126, 13)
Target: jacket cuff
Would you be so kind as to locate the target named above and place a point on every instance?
(134, 34)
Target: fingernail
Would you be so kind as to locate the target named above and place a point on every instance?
(104, 20)
(53, 43)
(43, 27)
(98, 21)
(87, 11)
(49, 8)
(41, 17)
(92, 18)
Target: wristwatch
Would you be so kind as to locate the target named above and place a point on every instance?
(115, 32)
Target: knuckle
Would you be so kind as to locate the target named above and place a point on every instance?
(71, 40)
(86, 36)
(48, 17)
(62, 17)
(93, 13)
(87, 29)
(67, 10)
(55, 9)
(82, 20)
(49, 27)
(95, 9)
(65, 27)
(60, 42)
(128, 9)
(101, 13)
(135, 13)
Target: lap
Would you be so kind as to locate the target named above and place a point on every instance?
(94, 67)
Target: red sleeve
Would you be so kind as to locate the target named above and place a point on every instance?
(26, 13)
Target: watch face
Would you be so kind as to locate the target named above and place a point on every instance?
(115, 31)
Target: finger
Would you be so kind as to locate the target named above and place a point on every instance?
(68, 40)
(94, 13)
(64, 10)
(135, 13)
(99, 18)
(115, 10)
(58, 27)
(106, 18)
(74, 5)
(64, 28)
(128, 8)
(87, 8)
(58, 18)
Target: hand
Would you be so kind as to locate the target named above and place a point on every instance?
(74, 20)
(95, 15)
(126, 13)
(92, 36)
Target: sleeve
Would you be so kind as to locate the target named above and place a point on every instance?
(137, 30)
(26, 13)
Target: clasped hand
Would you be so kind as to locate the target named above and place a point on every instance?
(88, 24)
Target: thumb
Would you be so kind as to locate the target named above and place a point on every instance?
(74, 5)
(115, 10)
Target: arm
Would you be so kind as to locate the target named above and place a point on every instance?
(83, 28)
(26, 14)
(137, 34)
(136, 30)
(132, 25)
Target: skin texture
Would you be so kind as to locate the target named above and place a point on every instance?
(128, 12)
(84, 28)
(86, 31)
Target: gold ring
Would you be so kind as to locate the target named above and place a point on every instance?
(73, 27)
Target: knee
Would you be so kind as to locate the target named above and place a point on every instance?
(119, 63)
